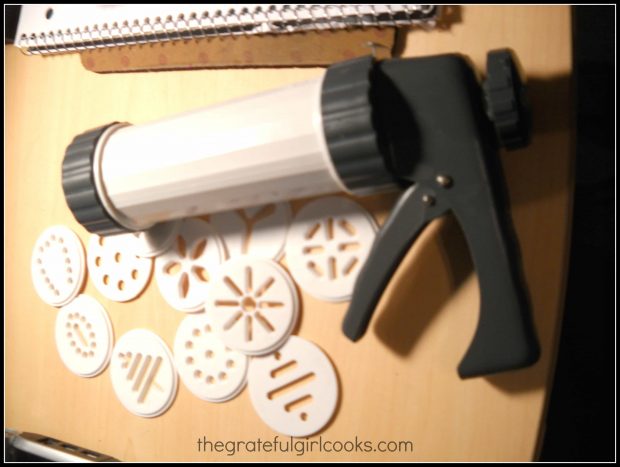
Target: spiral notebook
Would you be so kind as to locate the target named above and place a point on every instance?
(129, 29)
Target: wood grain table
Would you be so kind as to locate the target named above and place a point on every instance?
(397, 384)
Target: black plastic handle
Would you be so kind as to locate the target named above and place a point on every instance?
(504, 338)
(441, 140)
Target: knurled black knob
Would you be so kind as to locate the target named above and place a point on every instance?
(506, 99)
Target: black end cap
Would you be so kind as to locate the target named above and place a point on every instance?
(350, 125)
(78, 184)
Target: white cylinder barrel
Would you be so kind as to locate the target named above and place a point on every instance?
(260, 149)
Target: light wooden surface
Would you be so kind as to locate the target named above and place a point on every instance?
(399, 383)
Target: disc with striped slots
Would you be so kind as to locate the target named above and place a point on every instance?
(294, 390)
(143, 374)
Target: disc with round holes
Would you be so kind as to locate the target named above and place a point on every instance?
(184, 271)
(116, 271)
(209, 369)
(58, 265)
(327, 244)
(143, 374)
(294, 390)
(258, 231)
(84, 336)
(154, 241)
(253, 304)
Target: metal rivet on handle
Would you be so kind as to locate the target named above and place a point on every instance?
(444, 181)
(428, 200)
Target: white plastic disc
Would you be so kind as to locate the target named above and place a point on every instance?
(154, 241)
(116, 271)
(294, 390)
(143, 374)
(184, 272)
(209, 369)
(327, 244)
(58, 265)
(84, 336)
(253, 304)
(258, 231)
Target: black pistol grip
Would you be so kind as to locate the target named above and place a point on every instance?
(441, 136)
(404, 224)
(504, 338)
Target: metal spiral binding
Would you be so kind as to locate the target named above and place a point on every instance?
(276, 19)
